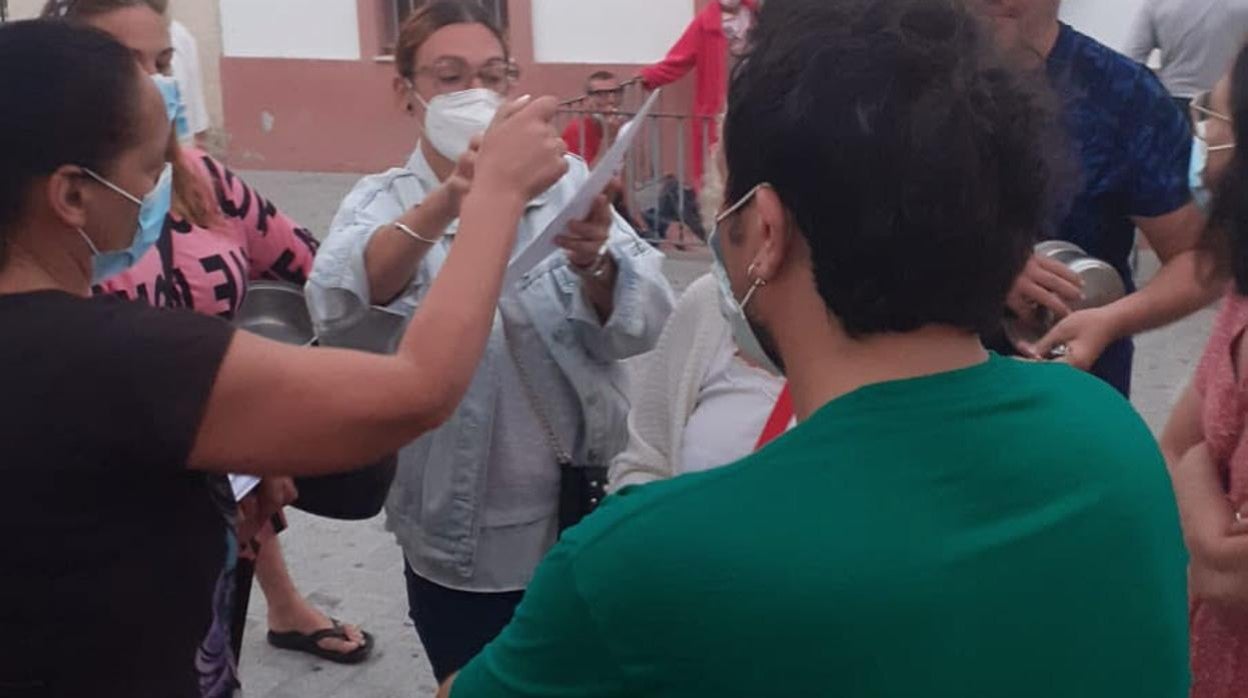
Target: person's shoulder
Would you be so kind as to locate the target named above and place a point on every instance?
(1059, 375)
(1108, 73)
(1085, 47)
(107, 324)
(158, 325)
(205, 166)
(711, 18)
(383, 180)
(48, 307)
(1069, 395)
(701, 292)
(627, 519)
(698, 306)
(699, 303)
(397, 186)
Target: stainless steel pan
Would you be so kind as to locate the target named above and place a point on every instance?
(276, 311)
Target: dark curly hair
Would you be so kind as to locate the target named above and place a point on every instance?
(1227, 234)
(915, 161)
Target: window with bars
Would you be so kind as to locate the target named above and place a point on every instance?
(400, 10)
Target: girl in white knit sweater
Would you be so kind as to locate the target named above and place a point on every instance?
(696, 403)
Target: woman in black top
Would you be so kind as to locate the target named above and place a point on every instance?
(123, 507)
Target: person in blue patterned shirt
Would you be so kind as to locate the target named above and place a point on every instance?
(1133, 148)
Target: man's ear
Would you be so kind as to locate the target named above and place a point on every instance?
(775, 227)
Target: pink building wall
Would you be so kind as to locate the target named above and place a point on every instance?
(342, 116)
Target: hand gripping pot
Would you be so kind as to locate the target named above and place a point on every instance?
(1102, 285)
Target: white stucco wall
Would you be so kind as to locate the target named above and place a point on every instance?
(200, 17)
(24, 9)
(1108, 21)
(304, 29)
(607, 31)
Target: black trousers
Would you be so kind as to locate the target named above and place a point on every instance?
(454, 626)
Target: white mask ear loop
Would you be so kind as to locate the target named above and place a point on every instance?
(411, 87)
(87, 239)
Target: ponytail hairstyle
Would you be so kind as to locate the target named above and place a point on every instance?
(193, 198)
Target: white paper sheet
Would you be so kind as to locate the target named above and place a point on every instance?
(243, 485)
(579, 205)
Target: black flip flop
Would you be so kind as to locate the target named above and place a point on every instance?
(310, 643)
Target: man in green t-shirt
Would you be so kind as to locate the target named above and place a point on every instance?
(944, 522)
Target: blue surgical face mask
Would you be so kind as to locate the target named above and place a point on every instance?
(733, 310)
(153, 209)
(1196, 174)
(1200, 164)
(174, 106)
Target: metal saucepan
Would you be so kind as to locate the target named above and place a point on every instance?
(276, 311)
(279, 312)
(359, 494)
(1102, 285)
(378, 332)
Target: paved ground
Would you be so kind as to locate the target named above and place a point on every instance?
(354, 571)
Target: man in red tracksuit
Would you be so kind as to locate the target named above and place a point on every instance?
(718, 30)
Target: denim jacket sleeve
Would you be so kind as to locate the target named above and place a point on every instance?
(338, 290)
(643, 300)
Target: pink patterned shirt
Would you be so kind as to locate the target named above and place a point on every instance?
(1219, 641)
(207, 269)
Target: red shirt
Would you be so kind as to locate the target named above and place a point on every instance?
(703, 46)
(584, 138)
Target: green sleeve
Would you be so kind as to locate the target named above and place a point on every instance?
(553, 646)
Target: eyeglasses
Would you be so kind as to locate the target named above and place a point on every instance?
(617, 93)
(456, 74)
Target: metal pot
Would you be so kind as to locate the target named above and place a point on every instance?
(279, 312)
(276, 311)
(359, 494)
(1102, 285)
(378, 332)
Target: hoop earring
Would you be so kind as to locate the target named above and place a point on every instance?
(758, 283)
(754, 285)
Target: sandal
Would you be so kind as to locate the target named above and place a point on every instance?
(311, 643)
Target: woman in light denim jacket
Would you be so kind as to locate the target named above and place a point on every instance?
(474, 504)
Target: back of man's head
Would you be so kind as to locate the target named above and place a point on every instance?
(914, 162)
